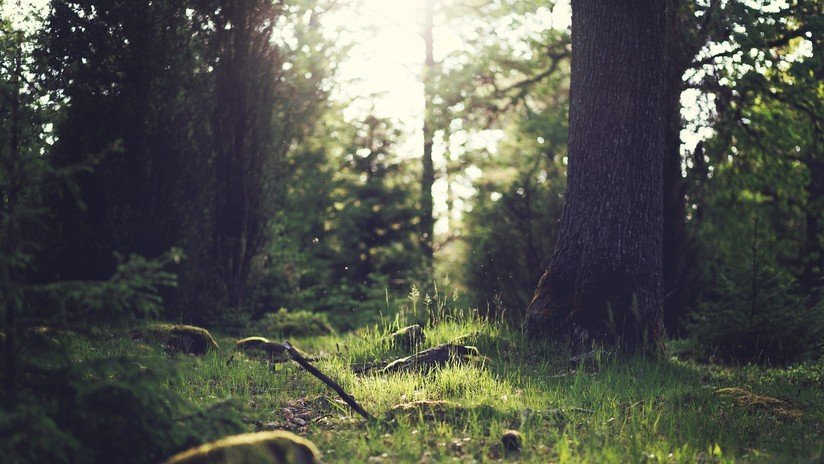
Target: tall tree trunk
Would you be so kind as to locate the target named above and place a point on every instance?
(812, 278)
(242, 130)
(604, 283)
(11, 242)
(427, 221)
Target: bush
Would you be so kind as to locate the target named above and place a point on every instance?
(770, 325)
(96, 410)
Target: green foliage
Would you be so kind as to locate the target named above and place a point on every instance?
(346, 235)
(514, 217)
(63, 401)
(87, 403)
(153, 90)
(513, 231)
(754, 309)
(759, 287)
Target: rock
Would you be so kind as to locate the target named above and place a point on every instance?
(436, 356)
(191, 339)
(179, 338)
(276, 447)
(512, 441)
(408, 338)
(276, 352)
(273, 351)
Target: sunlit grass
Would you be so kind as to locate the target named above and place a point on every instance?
(601, 410)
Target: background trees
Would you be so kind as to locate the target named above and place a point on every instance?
(214, 127)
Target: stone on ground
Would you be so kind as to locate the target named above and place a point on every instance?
(276, 447)
(179, 338)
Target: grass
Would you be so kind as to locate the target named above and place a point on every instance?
(601, 410)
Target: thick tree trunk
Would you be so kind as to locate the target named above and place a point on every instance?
(604, 283)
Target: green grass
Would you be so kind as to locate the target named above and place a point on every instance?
(604, 410)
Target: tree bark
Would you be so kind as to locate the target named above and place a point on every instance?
(604, 283)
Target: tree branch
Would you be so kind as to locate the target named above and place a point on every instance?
(304, 363)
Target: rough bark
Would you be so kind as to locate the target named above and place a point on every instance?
(604, 283)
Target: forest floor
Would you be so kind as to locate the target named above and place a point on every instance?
(600, 409)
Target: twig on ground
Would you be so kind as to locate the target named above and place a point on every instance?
(304, 363)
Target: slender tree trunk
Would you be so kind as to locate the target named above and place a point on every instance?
(243, 132)
(678, 56)
(427, 221)
(812, 278)
(12, 169)
(604, 283)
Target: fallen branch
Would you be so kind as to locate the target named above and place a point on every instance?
(304, 363)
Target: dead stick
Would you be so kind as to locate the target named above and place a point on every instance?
(296, 356)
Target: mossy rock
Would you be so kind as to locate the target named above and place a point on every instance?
(408, 338)
(275, 447)
(261, 346)
(512, 441)
(434, 357)
(294, 324)
(179, 338)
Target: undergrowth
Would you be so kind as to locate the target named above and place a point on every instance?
(601, 409)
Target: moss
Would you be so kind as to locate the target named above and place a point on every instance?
(277, 447)
(179, 338)
(294, 324)
(262, 346)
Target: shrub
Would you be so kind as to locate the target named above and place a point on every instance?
(765, 322)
